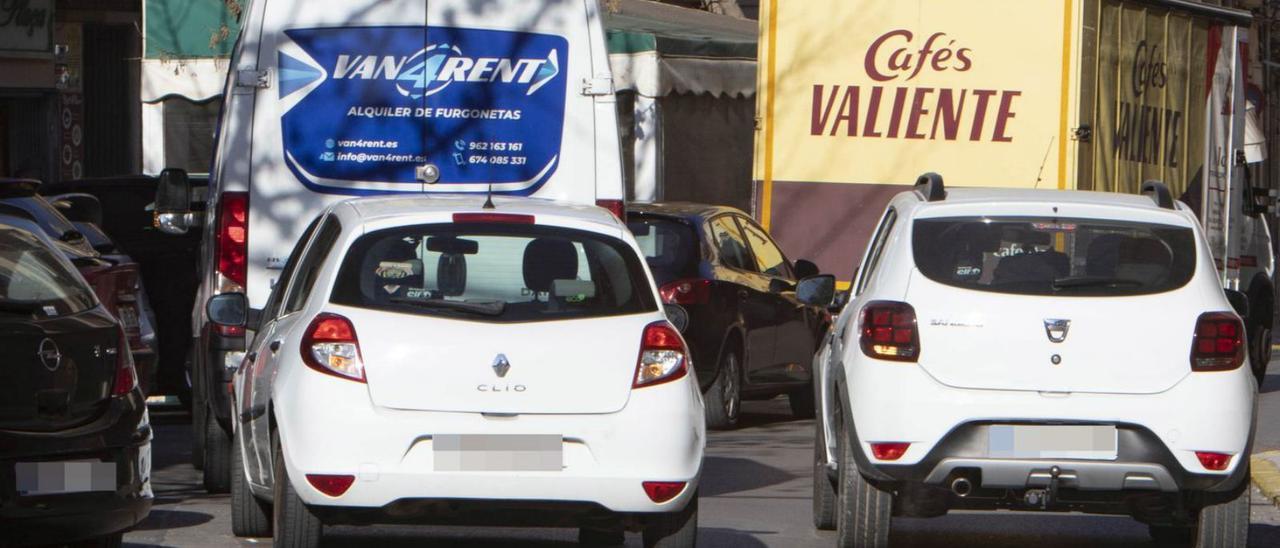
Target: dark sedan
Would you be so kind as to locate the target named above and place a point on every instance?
(750, 337)
(75, 441)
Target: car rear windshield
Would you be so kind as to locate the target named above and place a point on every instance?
(1083, 257)
(34, 282)
(494, 273)
(668, 246)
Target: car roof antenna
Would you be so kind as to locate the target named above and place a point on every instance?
(488, 201)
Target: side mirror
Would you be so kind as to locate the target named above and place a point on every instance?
(806, 269)
(173, 202)
(228, 310)
(817, 290)
(678, 316)
(1239, 301)
(79, 208)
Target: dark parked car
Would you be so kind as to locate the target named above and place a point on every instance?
(75, 442)
(168, 263)
(750, 336)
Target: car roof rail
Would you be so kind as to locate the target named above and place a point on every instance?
(1159, 193)
(18, 188)
(930, 187)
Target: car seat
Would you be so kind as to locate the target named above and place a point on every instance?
(545, 261)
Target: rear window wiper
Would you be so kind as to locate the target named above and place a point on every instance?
(484, 308)
(1094, 281)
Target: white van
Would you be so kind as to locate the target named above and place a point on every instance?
(326, 100)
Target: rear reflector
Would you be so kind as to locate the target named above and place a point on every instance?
(663, 491)
(889, 451)
(684, 292)
(1218, 344)
(506, 218)
(331, 485)
(889, 331)
(1213, 461)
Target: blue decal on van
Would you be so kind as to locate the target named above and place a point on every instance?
(365, 106)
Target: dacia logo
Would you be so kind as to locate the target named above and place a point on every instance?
(434, 68)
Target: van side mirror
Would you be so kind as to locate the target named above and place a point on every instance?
(817, 290)
(1239, 301)
(173, 202)
(228, 310)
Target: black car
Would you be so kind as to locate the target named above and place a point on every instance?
(75, 441)
(750, 336)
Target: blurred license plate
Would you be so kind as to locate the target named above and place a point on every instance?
(1052, 442)
(498, 453)
(56, 478)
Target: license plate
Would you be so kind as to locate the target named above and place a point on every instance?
(1052, 442)
(498, 453)
(59, 478)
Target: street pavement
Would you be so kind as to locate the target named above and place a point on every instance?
(755, 492)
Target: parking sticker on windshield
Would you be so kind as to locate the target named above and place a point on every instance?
(364, 107)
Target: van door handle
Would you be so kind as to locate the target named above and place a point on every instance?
(274, 346)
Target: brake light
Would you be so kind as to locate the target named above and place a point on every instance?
(126, 377)
(330, 346)
(663, 357)
(685, 292)
(233, 237)
(889, 451)
(889, 331)
(1213, 461)
(1218, 344)
(617, 207)
(663, 491)
(502, 218)
(332, 485)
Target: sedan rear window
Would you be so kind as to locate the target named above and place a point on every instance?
(669, 246)
(1077, 257)
(34, 282)
(494, 272)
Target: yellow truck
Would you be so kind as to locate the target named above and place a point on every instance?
(856, 98)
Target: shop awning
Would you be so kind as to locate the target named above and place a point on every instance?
(186, 46)
(657, 49)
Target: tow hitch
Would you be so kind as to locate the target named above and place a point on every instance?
(1044, 498)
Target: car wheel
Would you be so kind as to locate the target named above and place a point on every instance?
(1225, 524)
(824, 490)
(1260, 351)
(250, 517)
(801, 402)
(724, 398)
(673, 530)
(601, 537)
(864, 511)
(217, 456)
(294, 525)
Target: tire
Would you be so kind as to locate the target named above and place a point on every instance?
(1260, 350)
(250, 517)
(199, 414)
(724, 398)
(674, 530)
(217, 456)
(294, 525)
(1226, 524)
(864, 512)
(601, 537)
(802, 402)
(824, 490)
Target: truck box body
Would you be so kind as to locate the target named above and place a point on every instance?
(857, 99)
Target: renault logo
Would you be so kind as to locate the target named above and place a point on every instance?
(1057, 329)
(49, 355)
(501, 365)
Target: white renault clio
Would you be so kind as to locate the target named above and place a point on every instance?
(432, 360)
(1035, 350)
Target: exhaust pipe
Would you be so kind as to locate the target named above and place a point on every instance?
(961, 487)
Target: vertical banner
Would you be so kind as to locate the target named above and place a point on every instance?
(1219, 170)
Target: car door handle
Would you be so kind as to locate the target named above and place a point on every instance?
(274, 346)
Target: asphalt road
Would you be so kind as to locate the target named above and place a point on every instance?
(755, 492)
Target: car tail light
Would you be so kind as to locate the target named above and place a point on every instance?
(503, 218)
(889, 331)
(663, 491)
(617, 207)
(332, 485)
(330, 346)
(1218, 344)
(685, 292)
(1213, 461)
(889, 451)
(126, 377)
(663, 357)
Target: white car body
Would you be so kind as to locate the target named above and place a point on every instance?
(569, 378)
(987, 358)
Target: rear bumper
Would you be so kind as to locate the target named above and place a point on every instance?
(71, 518)
(328, 426)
